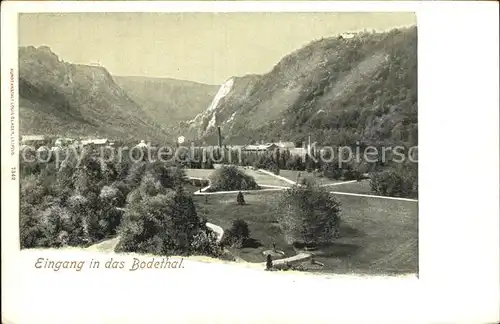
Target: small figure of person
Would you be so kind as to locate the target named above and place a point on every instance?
(274, 246)
(269, 262)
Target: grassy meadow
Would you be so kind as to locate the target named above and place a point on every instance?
(377, 235)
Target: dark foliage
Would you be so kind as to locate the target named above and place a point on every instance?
(238, 234)
(228, 178)
(240, 200)
(309, 214)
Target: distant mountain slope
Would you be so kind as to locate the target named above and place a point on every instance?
(223, 107)
(59, 98)
(168, 101)
(336, 90)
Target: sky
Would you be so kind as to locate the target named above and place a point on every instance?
(203, 47)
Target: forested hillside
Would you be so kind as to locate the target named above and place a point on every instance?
(60, 98)
(168, 101)
(336, 90)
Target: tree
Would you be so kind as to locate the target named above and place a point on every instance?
(244, 184)
(308, 214)
(240, 199)
(86, 213)
(31, 231)
(151, 186)
(164, 224)
(238, 234)
(205, 242)
(231, 178)
(401, 181)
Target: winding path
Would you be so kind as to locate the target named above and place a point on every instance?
(301, 256)
(217, 229)
(298, 258)
(109, 245)
(276, 188)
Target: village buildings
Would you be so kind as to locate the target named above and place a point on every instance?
(34, 140)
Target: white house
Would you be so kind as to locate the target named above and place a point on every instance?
(260, 147)
(98, 142)
(285, 145)
(142, 144)
(348, 35)
(33, 139)
(43, 149)
(62, 141)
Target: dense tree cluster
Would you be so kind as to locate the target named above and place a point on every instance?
(164, 221)
(238, 234)
(334, 164)
(230, 177)
(308, 214)
(82, 201)
(343, 90)
(398, 181)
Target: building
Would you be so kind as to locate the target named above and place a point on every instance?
(33, 139)
(97, 142)
(62, 141)
(285, 145)
(298, 151)
(348, 35)
(260, 147)
(142, 144)
(43, 149)
(235, 147)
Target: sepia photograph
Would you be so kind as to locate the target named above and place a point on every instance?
(250, 162)
(238, 136)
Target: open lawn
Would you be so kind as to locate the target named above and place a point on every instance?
(258, 213)
(260, 178)
(198, 173)
(359, 187)
(292, 175)
(265, 179)
(377, 235)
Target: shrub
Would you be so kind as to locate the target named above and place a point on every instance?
(228, 178)
(32, 191)
(122, 187)
(169, 176)
(150, 186)
(110, 220)
(85, 182)
(205, 243)
(165, 224)
(31, 231)
(240, 200)
(269, 262)
(110, 195)
(135, 174)
(308, 214)
(238, 234)
(349, 174)
(58, 226)
(134, 196)
(397, 182)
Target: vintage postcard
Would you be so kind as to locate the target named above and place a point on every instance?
(190, 162)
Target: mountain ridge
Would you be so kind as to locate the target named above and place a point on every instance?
(64, 99)
(337, 90)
